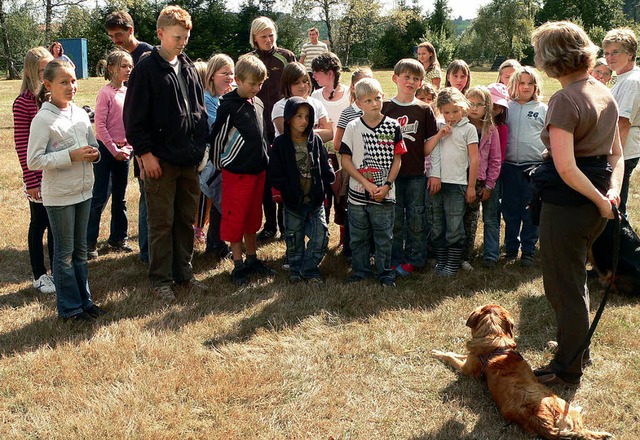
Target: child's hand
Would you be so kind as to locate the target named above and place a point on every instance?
(433, 184)
(84, 154)
(471, 194)
(371, 188)
(485, 193)
(151, 165)
(445, 131)
(34, 193)
(380, 193)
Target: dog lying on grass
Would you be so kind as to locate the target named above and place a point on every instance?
(519, 396)
(627, 281)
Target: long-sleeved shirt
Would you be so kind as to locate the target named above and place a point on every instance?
(24, 110)
(108, 117)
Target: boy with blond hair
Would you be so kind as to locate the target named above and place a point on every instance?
(166, 123)
(371, 148)
(239, 148)
(417, 124)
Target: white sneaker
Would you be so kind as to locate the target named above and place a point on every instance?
(45, 284)
(466, 266)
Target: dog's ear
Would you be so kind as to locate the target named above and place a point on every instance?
(507, 321)
(472, 320)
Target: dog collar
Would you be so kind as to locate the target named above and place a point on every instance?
(486, 358)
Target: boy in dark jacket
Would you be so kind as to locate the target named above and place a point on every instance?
(299, 168)
(166, 123)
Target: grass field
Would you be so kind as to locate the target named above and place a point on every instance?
(274, 360)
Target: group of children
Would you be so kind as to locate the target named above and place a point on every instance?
(408, 174)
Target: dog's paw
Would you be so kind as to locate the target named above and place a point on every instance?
(439, 354)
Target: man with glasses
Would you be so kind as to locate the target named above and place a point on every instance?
(620, 47)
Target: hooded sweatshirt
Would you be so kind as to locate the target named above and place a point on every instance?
(283, 168)
(525, 122)
(52, 136)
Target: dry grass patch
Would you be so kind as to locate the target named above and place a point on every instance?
(274, 360)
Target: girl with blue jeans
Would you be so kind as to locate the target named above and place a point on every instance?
(62, 144)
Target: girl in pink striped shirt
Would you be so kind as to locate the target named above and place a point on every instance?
(115, 152)
(24, 110)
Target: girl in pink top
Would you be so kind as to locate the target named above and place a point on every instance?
(115, 152)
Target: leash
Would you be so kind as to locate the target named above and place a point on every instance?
(607, 290)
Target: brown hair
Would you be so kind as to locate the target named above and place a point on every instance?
(454, 67)
(30, 73)
(118, 19)
(114, 58)
(174, 15)
(291, 74)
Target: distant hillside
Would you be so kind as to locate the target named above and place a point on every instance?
(461, 25)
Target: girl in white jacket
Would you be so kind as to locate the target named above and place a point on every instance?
(62, 144)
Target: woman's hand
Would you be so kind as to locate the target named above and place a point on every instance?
(604, 206)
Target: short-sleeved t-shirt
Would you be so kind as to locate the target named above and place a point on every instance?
(348, 115)
(586, 109)
(319, 111)
(417, 124)
(311, 51)
(626, 92)
(450, 158)
(433, 74)
(372, 150)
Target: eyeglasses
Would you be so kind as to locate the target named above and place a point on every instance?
(615, 53)
(476, 105)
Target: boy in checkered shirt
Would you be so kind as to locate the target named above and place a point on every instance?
(371, 148)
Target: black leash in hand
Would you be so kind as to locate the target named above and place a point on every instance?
(607, 290)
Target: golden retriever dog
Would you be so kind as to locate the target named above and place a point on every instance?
(520, 397)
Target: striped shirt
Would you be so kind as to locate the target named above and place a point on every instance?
(311, 51)
(24, 110)
(348, 115)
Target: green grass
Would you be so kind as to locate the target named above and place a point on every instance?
(274, 360)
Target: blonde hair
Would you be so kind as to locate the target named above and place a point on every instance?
(454, 67)
(625, 37)
(367, 87)
(451, 95)
(562, 48)
(357, 75)
(174, 16)
(215, 63)
(514, 81)
(410, 66)
(114, 58)
(483, 93)
(30, 72)
(50, 73)
(250, 66)
(201, 68)
(260, 24)
(506, 64)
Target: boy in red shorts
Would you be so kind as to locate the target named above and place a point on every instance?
(239, 149)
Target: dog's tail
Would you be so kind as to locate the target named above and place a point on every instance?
(584, 434)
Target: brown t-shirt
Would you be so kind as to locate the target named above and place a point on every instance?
(417, 124)
(587, 109)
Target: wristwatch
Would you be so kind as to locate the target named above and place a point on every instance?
(389, 183)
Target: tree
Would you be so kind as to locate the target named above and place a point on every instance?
(356, 26)
(604, 13)
(405, 28)
(329, 12)
(19, 32)
(53, 8)
(440, 19)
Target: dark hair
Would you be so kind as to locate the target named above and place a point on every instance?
(292, 73)
(118, 19)
(327, 62)
(54, 44)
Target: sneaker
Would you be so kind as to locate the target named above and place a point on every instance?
(80, 318)
(92, 252)
(44, 284)
(120, 246)
(466, 266)
(265, 235)
(405, 269)
(489, 264)
(388, 282)
(194, 286)
(285, 264)
(94, 311)
(239, 276)
(164, 293)
(526, 260)
(258, 267)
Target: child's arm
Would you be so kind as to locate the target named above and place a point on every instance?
(218, 136)
(103, 105)
(473, 172)
(347, 165)
(326, 170)
(431, 143)
(494, 163)
(324, 129)
(381, 192)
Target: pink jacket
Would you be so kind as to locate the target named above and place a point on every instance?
(108, 117)
(489, 158)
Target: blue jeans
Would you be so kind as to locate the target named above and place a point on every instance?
(70, 271)
(409, 243)
(629, 166)
(311, 222)
(143, 228)
(491, 220)
(366, 221)
(516, 196)
(446, 213)
(109, 170)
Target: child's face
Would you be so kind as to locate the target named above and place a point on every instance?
(265, 40)
(222, 80)
(505, 75)
(497, 110)
(458, 79)
(323, 79)
(301, 87)
(249, 87)
(407, 83)
(300, 121)
(602, 74)
(427, 98)
(122, 72)
(476, 108)
(452, 113)
(173, 39)
(63, 87)
(526, 88)
(424, 56)
(371, 105)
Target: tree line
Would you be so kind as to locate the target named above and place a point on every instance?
(357, 30)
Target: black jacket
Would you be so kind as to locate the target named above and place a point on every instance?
(238, 142)
(283, 169)
(155, 115)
